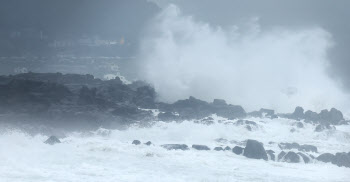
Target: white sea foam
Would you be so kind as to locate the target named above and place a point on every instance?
(108, 155)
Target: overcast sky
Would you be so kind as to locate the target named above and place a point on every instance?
(333, 16)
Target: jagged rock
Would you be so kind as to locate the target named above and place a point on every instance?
(237, 150)
(271, 153)
(281, 155)
(175, 146)
(298, 113)
(218, 149)
(326, 157)
(52, 140)
(148, 143)
(305, 157)
(291, 157)
(255, 150)
(136, 142)
(227, 148)
(200, 147)
(342, 159)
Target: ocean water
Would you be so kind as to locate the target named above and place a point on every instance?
(108, 155)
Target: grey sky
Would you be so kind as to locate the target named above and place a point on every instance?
(333, 16)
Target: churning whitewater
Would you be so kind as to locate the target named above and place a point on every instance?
(109, 155)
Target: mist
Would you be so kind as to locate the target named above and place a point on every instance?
(278, 68)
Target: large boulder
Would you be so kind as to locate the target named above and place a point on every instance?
(291, 157)
(298, 113)
(326, 157)
(237, 150)
(175, 146)
(342, 159)
(52, 140)
(200, 147)
(255, 150)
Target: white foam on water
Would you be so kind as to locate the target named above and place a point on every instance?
(108, 155)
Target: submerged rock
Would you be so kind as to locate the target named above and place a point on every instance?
(148, 143)
(255, 150)
(52, 140)
(271, 153)
(218, 149)
(291, 157)
(200, 147)
(237, 150)
(136, 142)
(175, 146)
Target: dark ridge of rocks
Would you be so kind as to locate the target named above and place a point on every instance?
(136, 142)
(175, 146)
(263, 112)
(52, 140)
(271, 153)
(148, 143)
(255, 150)
(218, 149)
(200, 147)
(291, 157)
(325, 117)
(341, 159)
(237, 150)
(167, 116)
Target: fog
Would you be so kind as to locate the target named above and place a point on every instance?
(278, 68)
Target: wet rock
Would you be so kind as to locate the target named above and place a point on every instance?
(281, 155)
(298, 113)
(299, 125)
(305, 157)
(288, 145)
(342, 159)
(326, 157)
(271, 153)
(218, 149)
(52, 140)
(167, 116)
(308, 148)
(148, 143)
(291, 157)
(227, 148)
(200, 147)
(237, 150)
(136, 142)
(322, 127)
(175, 146)
(255, 150)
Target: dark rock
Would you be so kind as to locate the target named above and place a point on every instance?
(298, 113)
(263, 112)
(175, 146)
(291, 157)
(227, 148)
(312, 116)
(219, 102)
(271, 153)
(249, 128)
(136, 142)
(255, 150)
(326, 157)
(342, 159)
(237, 150)
(281, 155)
(288, 145)
(305, 157)
(167, 116)
(206, 121)
(322, 127)
(300, 125)
(200, 147)
(308, 148)
(218, 149)
(52, 140)
(221, 140)
(148, 143)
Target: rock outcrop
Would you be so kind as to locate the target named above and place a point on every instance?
(255, 150)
